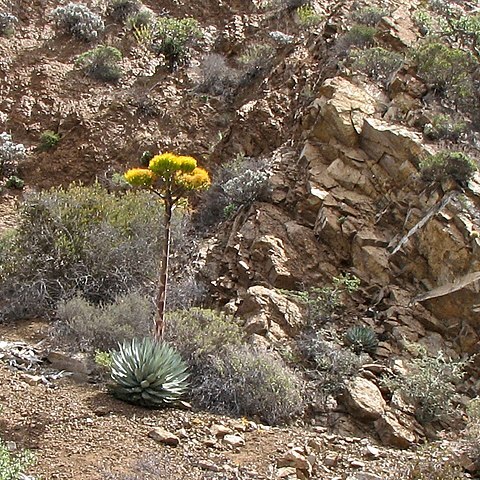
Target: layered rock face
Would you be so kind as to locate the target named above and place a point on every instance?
(352, 200)
(349, 198)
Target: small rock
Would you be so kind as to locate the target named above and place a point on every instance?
(293, 458)
(219, 430)
(234, 440)
(364, 476)
(372, 452)
(161, 435)
(210, 442)
(287, 472)
(32, 379)
(356, 464)
(331, 460)
(207, 465)
(60, 361)
(182, 433)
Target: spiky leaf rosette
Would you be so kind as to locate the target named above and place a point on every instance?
(148, 373)
(361, 339)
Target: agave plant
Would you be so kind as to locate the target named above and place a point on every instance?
(361, 339)
(148, 373)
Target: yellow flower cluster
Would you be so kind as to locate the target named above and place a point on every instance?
(168, 164)
(198, 179)
(170, 169)
(140, 177)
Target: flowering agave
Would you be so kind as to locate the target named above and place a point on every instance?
(148, 373)
(170, 177)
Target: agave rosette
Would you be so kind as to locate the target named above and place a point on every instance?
(148, 373)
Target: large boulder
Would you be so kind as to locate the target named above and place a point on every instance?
(363, 399)
(265, 310)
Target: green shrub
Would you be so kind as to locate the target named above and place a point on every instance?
(7, 24)
(172, 38)
(15, 182)
(369, 16)
(200, 333)
(81, 240)
(48, 140)
(307, 16)
(120, 10)
(446, 69)
(148, 373)
(359, 36)
(79, 21)
(448, 165)
(323, 302)
(143, 18)
(102, 327)
(429, 384)
(378, 63)
(101, 63)
(12, 466)
(444, 127)
(361, 339)
(257, 58)
(103, 359)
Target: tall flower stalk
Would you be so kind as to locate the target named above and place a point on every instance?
(171, 177)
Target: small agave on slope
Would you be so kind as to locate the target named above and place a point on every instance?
(148, 373)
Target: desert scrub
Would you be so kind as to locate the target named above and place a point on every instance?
(15, 182)
(429, 384)
(358, 36)
(79, 21)
(7, 24)
(48, 140)
(229, 376)
(307, 16)
(104, 326)
(238, 184)
(447, 70)
(448, 165)
(445, 127)
(11, 154)
(199, 333)
(101, 63)
(322, 302)
(369, 16)
(173, 37)
(120, 10)
(250, 382)
(376, 62)
(13, 465)
(144, 18)
(217, 78)
(431, 462)
(257, 58)
(81, 240)
(331, 365)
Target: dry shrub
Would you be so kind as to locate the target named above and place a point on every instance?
(102, 327)
(230, 376)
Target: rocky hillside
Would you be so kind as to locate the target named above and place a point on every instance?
(338, 103)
